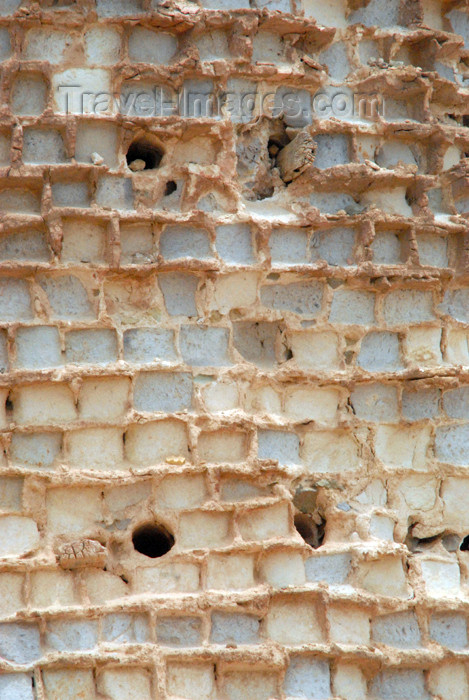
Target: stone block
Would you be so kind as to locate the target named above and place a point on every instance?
(179, 289)
(20, 643)
(449, 630)
(202, 346)
(179, 631)
(265, 523)
(278, 445)
(151, 443)
(16, 686)
(18, 536)
(308, 678)
(293, 622)
(399, 630)
(328, 568)
(184, 242)
(163, 391)
(123, 682)
(234, 628)
(230, 571)
(72, 635)
(68, 683)
(191, 681)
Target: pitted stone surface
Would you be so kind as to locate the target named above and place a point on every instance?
(234, 349)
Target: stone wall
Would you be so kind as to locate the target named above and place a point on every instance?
(234, 345)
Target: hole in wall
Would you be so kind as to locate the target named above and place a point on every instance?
(152, 540)
(309, 529)
(455, 117)
(143, 155)
(171, 187)
(451, 541)
(418, 544)
(9, 405)
(274, 146)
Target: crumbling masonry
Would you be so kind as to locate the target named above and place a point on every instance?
(234, 349)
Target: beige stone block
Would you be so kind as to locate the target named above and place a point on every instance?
(11, 593)
(223, 446)
(45, 44)
(263, 399)
(330, 451)
(398, 446)
(220, 396)
(265, 523)
(69, 684)
(39, 404)
(230, 571)
(125, 683)
(282, 569)
(389, 200)
(419, 491)
(167, 578)
(11, 493)
(441, 578)
(383, 576)
(199, 149)
(97, 80)
(104, 399)
(349, 625)
(151, 443)
(122, 498)
(293, 622)
(102, 45)
(312, 404)
(82, 553)
(102, 586)
(331, 14)
(449, 681)
(455, 495)
(349, 682)
(250, 683)
(234, 291)
(457, 347)
(83, 241)
(204, 529)
(313, 350)
(191, 681)
(18, 536)
(179, 491)
(52, 589)
(422, 346)
(73, 510)
(96, 448)
(432, 17)
(452, 154)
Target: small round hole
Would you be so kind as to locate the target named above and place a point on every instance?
(143, 155)
(152, 540)
(464, 546)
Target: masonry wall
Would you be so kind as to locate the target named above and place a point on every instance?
(234, 347)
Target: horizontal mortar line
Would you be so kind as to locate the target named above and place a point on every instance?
(361, 271)
(280, 373)
(273, 655)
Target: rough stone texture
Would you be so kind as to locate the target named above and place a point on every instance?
(234, 334)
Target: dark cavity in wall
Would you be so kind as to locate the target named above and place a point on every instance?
(152, 539)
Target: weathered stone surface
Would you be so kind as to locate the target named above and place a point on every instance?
(234, 349)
